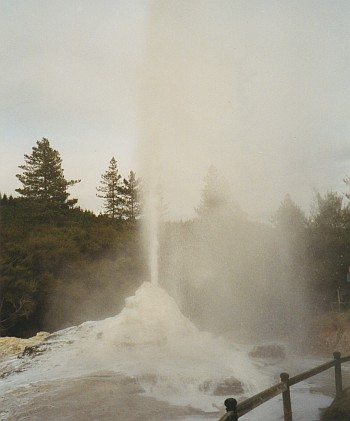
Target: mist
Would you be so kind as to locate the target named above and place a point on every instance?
(253, 88)
(240, 92)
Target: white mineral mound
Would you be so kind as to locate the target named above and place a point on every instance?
(151, 340)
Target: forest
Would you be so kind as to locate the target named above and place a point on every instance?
(61, 265)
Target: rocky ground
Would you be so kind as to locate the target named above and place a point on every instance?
(99, 396)
(110, 395)
(16, 346)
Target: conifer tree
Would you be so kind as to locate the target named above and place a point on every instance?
(111, 191)
(131, 194)
(43, 179)
(347, 182)
(291, 229)
(289, 217)
(214, 195)
(3, 199)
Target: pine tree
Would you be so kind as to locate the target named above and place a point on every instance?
(328, 243)
(43, 180)
(289, 218)
(291, 230)
(111, 191)
(3, 199)
(131, 194)
(347, 182)
(214, 196)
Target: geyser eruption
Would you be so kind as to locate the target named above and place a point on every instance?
(154, 249)
(151, 230)
(151, 341)
(197, 110)
(185, 109)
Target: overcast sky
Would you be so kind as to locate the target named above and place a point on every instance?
(260, 89)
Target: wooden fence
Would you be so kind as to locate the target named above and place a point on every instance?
(235, 411)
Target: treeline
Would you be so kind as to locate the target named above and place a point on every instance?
(61, 265)
(63, 271)
(230, 273)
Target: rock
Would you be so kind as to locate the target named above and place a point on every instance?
(230, 386)
(16, 346)
(274, 351)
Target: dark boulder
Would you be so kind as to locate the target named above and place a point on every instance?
(268, 351)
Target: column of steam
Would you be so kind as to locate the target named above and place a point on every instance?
(152, 123)
(150, 199)
(153, 234)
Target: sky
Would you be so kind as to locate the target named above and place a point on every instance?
(259, 89)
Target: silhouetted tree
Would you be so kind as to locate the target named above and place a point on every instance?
(347, 182)
(111, 191)
(291, 229)
(43, 180)
(131, 194)
(215, 200)
(3, 199)
(289, 218)
(213, 196)
(328, 244)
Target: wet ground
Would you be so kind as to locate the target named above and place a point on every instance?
(100, 396)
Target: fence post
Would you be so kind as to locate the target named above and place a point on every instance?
(231, 406)
(337, 369)
(287, 405)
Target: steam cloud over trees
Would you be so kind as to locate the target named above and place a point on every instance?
(61, 265)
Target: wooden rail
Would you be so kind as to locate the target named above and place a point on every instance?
(235, 411)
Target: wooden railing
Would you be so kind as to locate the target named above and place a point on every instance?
(235, 411)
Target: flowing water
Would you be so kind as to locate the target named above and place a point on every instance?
(152, 342)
